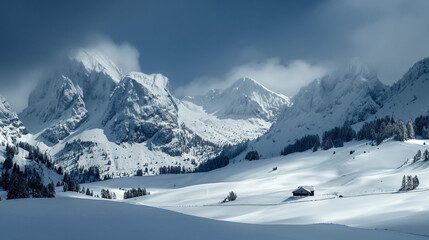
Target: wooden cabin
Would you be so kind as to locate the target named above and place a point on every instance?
(304, 191)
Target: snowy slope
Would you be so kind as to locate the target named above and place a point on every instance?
(220, 130)
(409, 96)
(21, 159)
(351, 94)
(368, 179)
(110, 220)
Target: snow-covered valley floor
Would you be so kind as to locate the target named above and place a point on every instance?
(368, 180)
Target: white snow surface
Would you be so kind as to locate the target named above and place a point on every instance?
(368, 181)
(51, 219)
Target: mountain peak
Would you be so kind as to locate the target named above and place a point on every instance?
(156, 80)
(246, 81)
(93, 60)
(245, 98)
(416, 71)
(248, 85)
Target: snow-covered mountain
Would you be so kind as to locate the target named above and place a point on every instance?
(80, 88)
(246, 98)
(245, 110)
(89, 113)
(351, 94)
(409, 96)
(11, 128)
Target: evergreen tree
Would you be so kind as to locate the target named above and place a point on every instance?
(8, 163)
(303, 144)
(18, 187)
(139, 172)
(418, 156)
(51, 190)
(5, 180)
(415, 182)
(401, 131)
(409, 183)
(426, 155)
(410, 129)
(404, 184)
(252, 155)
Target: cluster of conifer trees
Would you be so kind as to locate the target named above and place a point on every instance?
(230, 197)
(22, 184)
(82, 175)
(105, 193)
(335, 137)
(409, 183)
(385, 128)
(25, 184)
(303, 144)
(252, 155)
(135, 192)
(228, 152)
(377, 130)
(420, 156)
(174, 170)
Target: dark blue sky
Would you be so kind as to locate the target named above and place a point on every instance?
(189, 40)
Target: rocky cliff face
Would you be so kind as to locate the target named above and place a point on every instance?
(11, 128)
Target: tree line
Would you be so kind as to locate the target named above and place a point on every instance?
(228, 152)
(28, 182)
(377, 130)
(135, 192)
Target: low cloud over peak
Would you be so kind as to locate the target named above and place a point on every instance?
(286, 79)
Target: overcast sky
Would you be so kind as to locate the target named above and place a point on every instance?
(204, 44)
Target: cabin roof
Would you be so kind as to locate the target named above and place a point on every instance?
(307, 188)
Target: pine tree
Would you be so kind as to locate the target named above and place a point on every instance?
(401, 131)
(404, 184)
(410, 129)
(18, 187)
(418, 156)
(426, 155)
(415, 182)
(51, 190)
(409, 182)
(8, 163)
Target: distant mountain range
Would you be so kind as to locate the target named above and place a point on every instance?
(89, 113)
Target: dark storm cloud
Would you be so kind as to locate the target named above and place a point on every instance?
(34, 35)
(197, 42)
(34, 31)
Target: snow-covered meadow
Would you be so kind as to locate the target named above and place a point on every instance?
(368, 181)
